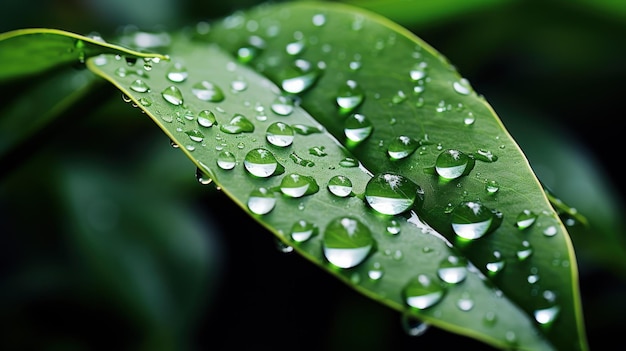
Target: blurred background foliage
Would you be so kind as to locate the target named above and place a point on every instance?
(109, 241)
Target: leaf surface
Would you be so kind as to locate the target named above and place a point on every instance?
(253, 102)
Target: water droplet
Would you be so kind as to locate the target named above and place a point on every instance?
(375, 271)
(485, 156)
(349, 96)
(202, 177)
(195, 135)
(550, 231)
(238, 85)
(261, 201)
(173, 95)
(495, 264)
(471, 220)
(317, 151)
(226, 160)
(451, 164)
(357, 127)
(525, 219)
(283, 105)
(238, 124)
(348, 162)
(418, 71)
(304, 129)
(492, 186)
(490, 318)
(206, 118)
(279, 134)
(525, 252)
(207, 91)
(413, 326)
(347, 242)
(548, 311)
(297, 79)
(297, 185)
(302, 231)
(391, 194)
(319, 20)
(301, 161)
(177, 73)
(399, 97)
(139, 86)
(340, 186)
(402, 146)
(423, 292)
(465, 303)
(469, 119)
(462, 86)
(295, 48)
(144, 102)
(393, 227)
(452, 269)
(260, 162)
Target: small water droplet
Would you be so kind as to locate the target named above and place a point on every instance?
(550, 231)
(177, 73)
(451, 164)
(283, 105)
(375, 271)
(226, 160)
(525, 219)
(207, 91)
(465, 303)
(393, 227)
(206, 118)
(472, 220)
(399, 97)
(301, 161)
(423, 292)
(496, 263)
(469, 119)
(452, 269)
(195, 135)
(319, 20)
(347, 242)
(402, 146)
(302, 231)
(349, 162)
(261, 201)
(357, 127)
(391, 194)
(490, 318)
(298, 185)
(418, 71)
(413, 326)
(260, 162)
(548, 311)
(462, 86)
(492, 187)
(238, 124)
(349, 96)
(296, 80)
(305, 130)
(202, 177)
(485, 156)
(173, 95)
(340, 186)
(525, 251)
(139, 86)
(279, 134)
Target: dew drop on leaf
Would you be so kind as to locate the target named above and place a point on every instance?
(452, 269)
(279, 134)
(347, 242)
(451, 164)
(357, 127)
(297, 185)
(261, 201)
(226, 160)
(195, 135)
(349, 96)
(177, 73)
(423, 292)
(302, 231)
(550, 231)
(391, 194)
(348, 162)
(207, 91)
(202, 177)
(525, 219)
(139, 86)
(238, 124)
(492, 187)
(393, 227)
(340, 186)
(471, 220)
(525, 251)
(283, 105)
(375, 271)
(260, 162)
(462, 86)
(496, 263)
(173, 95)
(206, 118)
(401, 147)
(413, 326)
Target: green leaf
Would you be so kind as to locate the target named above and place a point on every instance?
(30, 51)
(513, 285)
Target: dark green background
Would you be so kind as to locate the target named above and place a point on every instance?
(553, 70)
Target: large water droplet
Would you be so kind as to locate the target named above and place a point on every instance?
(471, 220)
(548, 311)
(283, 105)
(177, 73)
(357, 127)
(226, 160)
(207, 91)
(451, 164)
(525, 219)
(347, 242)
(303, 230)
(173, 95)
(297, 185)
(279, 134)
(349, 96)
(238, 124)
(402, 146)
(391, 194)
(206, 118)
(340, 186)
(260, 162)
(261, 201)
(452, 269)
(423, 292)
